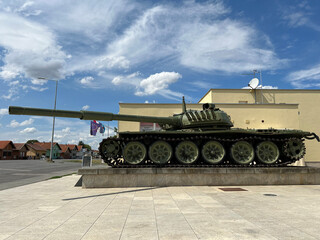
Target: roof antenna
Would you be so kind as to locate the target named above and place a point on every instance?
(184, 108)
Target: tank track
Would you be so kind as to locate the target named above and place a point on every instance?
(118, 162)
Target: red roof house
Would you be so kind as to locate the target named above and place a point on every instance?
(21, 151)
(6, 150)
(65, 151)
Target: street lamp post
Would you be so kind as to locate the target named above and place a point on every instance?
(54, 118)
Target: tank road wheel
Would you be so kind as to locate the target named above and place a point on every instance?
(134, 152)
(294, 149)
(109, 148)
(242, 152)
(267, 152)
(187, 152)
(160, 152)
(213, 152)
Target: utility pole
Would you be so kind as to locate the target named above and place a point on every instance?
(54, 118)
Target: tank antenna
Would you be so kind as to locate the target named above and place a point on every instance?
(184, 108)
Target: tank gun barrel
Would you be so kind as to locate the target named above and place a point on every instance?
(90, 115)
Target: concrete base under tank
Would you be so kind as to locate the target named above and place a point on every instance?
(95, 177)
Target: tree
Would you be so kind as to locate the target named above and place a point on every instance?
(87, 146)
(84, 145)
(32, 141)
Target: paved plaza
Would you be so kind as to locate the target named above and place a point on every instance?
(56, 209)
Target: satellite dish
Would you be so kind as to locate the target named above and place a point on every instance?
(254, 83)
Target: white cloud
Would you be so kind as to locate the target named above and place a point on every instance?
(11, 94)
(110, 62)
(87, 80)
(39, 89)
(132, 79)
(14, 123)
(305, 78)
(156, 83)
(3, 111)
(66, 130)
(203, 84)
(86, 107)
(39, 81)
(268, 87)
(296, 19)
(31, 49)
(29, 130)
(12, 83)
(221, 44)
(300, 15)
(111, 38)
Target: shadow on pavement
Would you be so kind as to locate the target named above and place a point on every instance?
(107, 194)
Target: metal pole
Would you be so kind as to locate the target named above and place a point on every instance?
(54, 118)
(261, 87)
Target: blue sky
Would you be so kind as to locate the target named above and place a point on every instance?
(106, 52)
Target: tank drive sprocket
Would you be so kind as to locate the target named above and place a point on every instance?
(294, 149)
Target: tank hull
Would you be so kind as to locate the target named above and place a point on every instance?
(232, 147)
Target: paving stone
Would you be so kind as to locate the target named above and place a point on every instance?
(56, 209)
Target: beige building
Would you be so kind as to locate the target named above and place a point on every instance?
(269, 108)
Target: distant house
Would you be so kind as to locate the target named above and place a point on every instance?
(47, 146)
(65, 151)
(74, 150)
(82, 151)
(20, 151)
(35, 151)
(95, 154)
(6, 150)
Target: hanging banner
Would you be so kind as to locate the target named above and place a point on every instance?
(144, 127)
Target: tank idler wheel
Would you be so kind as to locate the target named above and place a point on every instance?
(213, 152)
(160, 152)
(267, 152)
(187, 152)
(242, 152)
(294, 149)
(134, 152)
(109, 148)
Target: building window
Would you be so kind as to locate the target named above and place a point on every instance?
(6, 154)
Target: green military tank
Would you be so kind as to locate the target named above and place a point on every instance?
(192, 138)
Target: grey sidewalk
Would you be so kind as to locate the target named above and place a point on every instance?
(55, 209)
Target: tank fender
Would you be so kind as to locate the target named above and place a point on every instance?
(313, 136)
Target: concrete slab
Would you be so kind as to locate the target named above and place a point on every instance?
(97, 177)
(55, 209)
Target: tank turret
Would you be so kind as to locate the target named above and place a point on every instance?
(208, 118)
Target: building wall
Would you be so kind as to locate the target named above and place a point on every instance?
(20, 153)
(6, 153)
(65, 155)
(243, 116)
(33, 154)
(55, 152)
(308, 108)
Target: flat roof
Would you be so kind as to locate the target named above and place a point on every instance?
(197, 104)
(264, 90)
